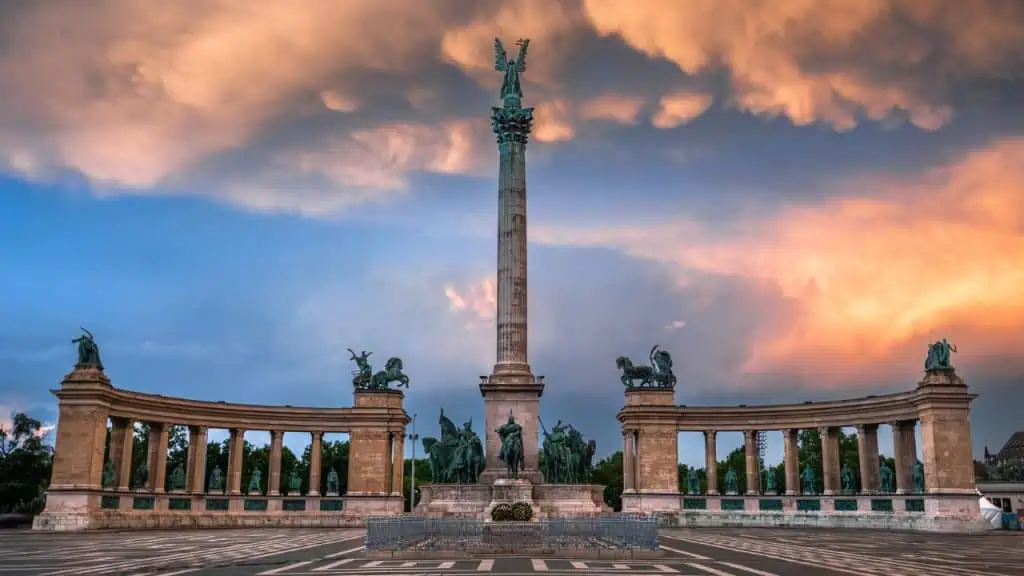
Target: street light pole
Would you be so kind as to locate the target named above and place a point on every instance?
(412, 465)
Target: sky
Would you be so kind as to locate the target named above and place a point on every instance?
(793, 197)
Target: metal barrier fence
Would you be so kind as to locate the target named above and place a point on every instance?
(620, 531)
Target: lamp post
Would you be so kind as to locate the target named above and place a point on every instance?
(413, 437)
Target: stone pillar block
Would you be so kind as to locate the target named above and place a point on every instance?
(236, 441)
(751, 457)
(156, 457)
(197, 440)
(315, 455)
(943, 405)
(904, 460)
(791, 461)
(274, 474)
(520, 396)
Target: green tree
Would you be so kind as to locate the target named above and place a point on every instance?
(140, 450)
(737, 462)
(608, 472)
(25, 464)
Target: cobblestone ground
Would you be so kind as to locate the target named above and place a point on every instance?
(719, 552)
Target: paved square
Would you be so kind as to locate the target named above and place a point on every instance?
(719, 552)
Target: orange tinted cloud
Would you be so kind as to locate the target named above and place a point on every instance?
(823, 60)
(872, 273)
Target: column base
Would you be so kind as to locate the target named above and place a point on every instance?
(68, 511)
(647, 502)
(373, 504)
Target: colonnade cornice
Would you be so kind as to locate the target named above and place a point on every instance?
(144, 407)
(869, 410)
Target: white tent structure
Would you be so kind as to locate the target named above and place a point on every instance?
(990, 512)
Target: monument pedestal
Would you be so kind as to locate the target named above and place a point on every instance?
(519, 394)
(369, 504)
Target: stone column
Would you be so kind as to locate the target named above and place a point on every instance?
(122, 442)
(512, 127)
(236, 457)
(197, 439)
(628, 474)
(711, 461)
(398, 464)
(156, 459)
(867, 452)
(829, 460)
(791, 461)
(274, 474)
(315, 452)
(904, 454)
(750, 442)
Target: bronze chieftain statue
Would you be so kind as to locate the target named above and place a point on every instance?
(511, 434)
(940, 356)
(457, 457)
(565, 458)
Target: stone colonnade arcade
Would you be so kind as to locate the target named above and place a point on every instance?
(940, 403)
(76, 499)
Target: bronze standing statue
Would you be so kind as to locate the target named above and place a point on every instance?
(511, 91)
(88, 351)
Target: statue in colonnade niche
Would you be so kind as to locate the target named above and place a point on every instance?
(847, 479)
(918, 476)
(731, 482)
(808, 480)
(141, 477)
(294, 483)
(888, 479)
(176, 481)
(332, 482)
(771, 486)
(692, 482)
(216, 479)
(255, 482)
(108, 474)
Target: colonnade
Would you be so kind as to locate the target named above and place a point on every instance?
(77, 499)
(940, 403)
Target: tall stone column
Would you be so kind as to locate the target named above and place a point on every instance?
(197, 439)
(236, 457)
(274, 475)
(867, 452)
(122, 442)
(711, 461)
(511, 388)
(157, 458)
(315, 453)
(628, 468)
(791, 460)
(904, 451)
(750, 443)
(829, 460)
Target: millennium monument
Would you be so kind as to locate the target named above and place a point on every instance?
(471, 477)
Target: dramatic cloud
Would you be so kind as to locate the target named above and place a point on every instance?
(870, 273)
(316, 109)
(827, 60)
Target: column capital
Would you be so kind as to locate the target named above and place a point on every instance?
(710, 434)
(861, 428)
(903, 424)
(512, 124)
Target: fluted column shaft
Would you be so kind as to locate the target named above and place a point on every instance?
(236, 457)
(711, 461)
(904, 452)
(750, 443)
(791, 461)
(829, 460)
(867, 453)
(274, 474)
(196, 476)
(315, 451)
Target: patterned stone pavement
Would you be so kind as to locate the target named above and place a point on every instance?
(718, 552)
